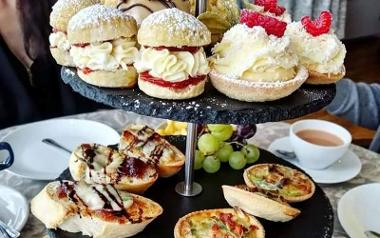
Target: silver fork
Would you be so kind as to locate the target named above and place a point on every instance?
(8, 231)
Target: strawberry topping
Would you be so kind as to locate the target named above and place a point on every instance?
(177, 85)
(319, 26)
(271, 25)
(271, 6)
(87, 70)
(192, 50)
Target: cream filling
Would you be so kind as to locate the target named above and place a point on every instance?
(250, 54)
(59, 39)
(324, 53)
(108, 56)
(172, 66)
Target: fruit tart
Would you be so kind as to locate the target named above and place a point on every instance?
(172, 62)
(254, 63)
(318, 48)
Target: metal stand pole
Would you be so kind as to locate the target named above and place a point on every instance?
(189, 188)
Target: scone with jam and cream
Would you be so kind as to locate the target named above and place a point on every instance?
(60, 15)
(268, 8)
(103, 46)
(172, 62)
(254, 63)
(318, 48)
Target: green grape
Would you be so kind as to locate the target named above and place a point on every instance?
(224, 153)
(198, 159)
(208, 144)
(220, 131)
(251, 152)
(211, 164)
(237, 160)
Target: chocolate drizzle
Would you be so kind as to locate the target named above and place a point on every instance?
(165, 3)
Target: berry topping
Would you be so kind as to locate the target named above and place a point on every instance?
(319, 26)
(271, 6)
(271, 25)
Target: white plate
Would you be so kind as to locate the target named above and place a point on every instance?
(359, 210)
(343, 170)
(14, 208)
(37, 160)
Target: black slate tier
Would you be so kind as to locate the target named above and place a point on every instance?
(210, 107)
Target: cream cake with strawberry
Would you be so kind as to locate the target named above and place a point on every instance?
(172, 62)
(254, 63)
(103, 46)
(318, 48)
(269, 8)
(60, 15)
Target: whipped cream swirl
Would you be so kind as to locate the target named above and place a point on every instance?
(109, 55)
(251, 54)
(59, 39)
(324, 53)
(172, 66)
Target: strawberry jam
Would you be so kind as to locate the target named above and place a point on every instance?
(192, 50)
(176, 85)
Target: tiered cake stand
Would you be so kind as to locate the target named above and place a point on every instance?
(316, 219)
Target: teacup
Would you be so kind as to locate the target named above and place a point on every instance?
(317, 156)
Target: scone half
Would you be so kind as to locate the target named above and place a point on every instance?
(78, 208)
(317, 78)
(97, 164)
(214, 223)
(258, 204)
(290, 184)
(249, 91)
(154, 147)
(119, 78)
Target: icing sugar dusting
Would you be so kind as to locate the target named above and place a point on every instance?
(74, 4)
(177, 20)
(95, 14)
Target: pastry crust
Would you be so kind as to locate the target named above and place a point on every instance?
(182, 225)
(55, 213)
(259, 205)
(317, 78)
(171, 160)
(111, 79)
(287, 198)
(173, 28)
(80, 170)
(62, 57)
(244, 90)
(63, 10)
(157, 91)
(99, 23)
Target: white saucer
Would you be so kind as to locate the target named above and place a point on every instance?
(359, 209)
(14, 208)
(343, 170)
(37, 160)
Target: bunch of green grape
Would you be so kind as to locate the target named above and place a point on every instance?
(219, 143)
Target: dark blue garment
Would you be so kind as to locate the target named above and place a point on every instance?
(359, 103)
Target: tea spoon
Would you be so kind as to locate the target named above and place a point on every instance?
(55, 144)
(287, 154)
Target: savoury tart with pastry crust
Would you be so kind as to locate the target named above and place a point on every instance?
(281, 181)
(226, 222)
(100, 211)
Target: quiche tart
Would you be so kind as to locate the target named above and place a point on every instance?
(218, 223)
(98, 164)
(259, 203)
(100, 211)
(143, 139)
(278, 180)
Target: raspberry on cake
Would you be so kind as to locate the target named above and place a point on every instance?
(104, 46)
(269, 8)
(62, 12)
(172, 63)
(253, 61)
(318, 48)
